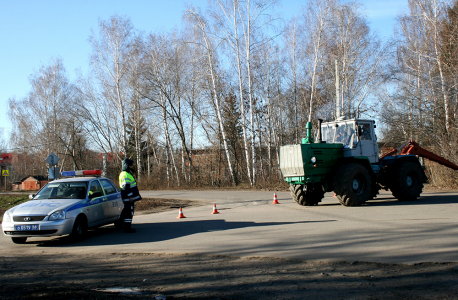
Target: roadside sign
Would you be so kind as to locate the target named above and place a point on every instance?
(5, 173)
(54, 173)
(52, 159)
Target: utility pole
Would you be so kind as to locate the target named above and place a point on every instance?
(337, 92)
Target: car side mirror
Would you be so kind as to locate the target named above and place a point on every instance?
(95, 195)
(31, 196)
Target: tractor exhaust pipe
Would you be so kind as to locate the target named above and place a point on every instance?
(319, 130)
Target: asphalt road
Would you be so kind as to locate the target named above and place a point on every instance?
(249, 225)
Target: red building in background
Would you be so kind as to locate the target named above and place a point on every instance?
(30, 183)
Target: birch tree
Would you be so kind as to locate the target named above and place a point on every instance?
(359, 55)
(240, 24)
(209, 48)
(42, 120)
(292, 39)
(110, 61)
(422, 82)
(316, 17)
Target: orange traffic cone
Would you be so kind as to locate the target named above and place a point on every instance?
(275, 199)
(180, 214)
(215, 211)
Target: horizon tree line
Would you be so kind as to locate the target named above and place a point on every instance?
(211, 103)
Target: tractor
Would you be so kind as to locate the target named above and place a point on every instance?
(344, 159)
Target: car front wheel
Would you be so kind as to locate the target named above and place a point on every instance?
(79, 229)
(19, 240)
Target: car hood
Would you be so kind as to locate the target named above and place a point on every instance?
(42, 207)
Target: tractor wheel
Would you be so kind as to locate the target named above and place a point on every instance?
(407, 182)
(297, 192)
(79, 229)
(19, 240)
(311, 195)
(352, 184)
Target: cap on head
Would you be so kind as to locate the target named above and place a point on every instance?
(127, 163)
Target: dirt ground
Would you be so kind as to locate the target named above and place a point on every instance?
(189, 276)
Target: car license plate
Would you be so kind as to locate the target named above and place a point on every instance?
(26, 227)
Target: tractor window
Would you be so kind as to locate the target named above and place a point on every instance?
(365, 131)
(343, 134)
(351, 140)
(328, 134)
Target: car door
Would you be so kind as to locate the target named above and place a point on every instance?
(96, 214)
(113, 204)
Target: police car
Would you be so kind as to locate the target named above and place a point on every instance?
(66, 207)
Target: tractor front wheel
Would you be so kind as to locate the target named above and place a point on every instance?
(307, 195)
(352, 184)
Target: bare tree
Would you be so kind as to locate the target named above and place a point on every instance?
(110, 61)
(209, 47)
(359, 55)
(316, 23)
(292, 36)
(422, 101)
(240, 23)
(42, 121)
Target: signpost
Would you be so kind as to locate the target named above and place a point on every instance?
(52, 159)
(5, 173)
(53, 171)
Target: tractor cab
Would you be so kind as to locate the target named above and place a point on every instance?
(357, 136)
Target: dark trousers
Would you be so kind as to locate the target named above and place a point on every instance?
(127, 213)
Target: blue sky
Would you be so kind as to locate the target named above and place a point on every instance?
(34, 31)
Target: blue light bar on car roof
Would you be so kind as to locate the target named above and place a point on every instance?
(81, 173)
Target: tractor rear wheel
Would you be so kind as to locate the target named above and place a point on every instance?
(352, 184)
(307, 195)
(407, 182)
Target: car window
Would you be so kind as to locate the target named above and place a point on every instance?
(95, 187)
(63, 190)
(108, 187)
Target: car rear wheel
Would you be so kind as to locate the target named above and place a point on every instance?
(118, 223)
(19, 240)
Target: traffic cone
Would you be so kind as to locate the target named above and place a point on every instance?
(275, 199)
(215, 211)
(180, 214)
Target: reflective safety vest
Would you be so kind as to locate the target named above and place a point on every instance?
(128, 186)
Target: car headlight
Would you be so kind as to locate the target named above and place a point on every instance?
(7, 217)
(313, 160)
(57, 215)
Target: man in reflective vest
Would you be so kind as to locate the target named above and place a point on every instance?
(129, 194)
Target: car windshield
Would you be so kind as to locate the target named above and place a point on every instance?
(343, 133)
(63, 190)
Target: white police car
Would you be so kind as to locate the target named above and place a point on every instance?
(66, 206)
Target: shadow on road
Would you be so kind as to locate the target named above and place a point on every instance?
(155, 232)
(424, 199)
